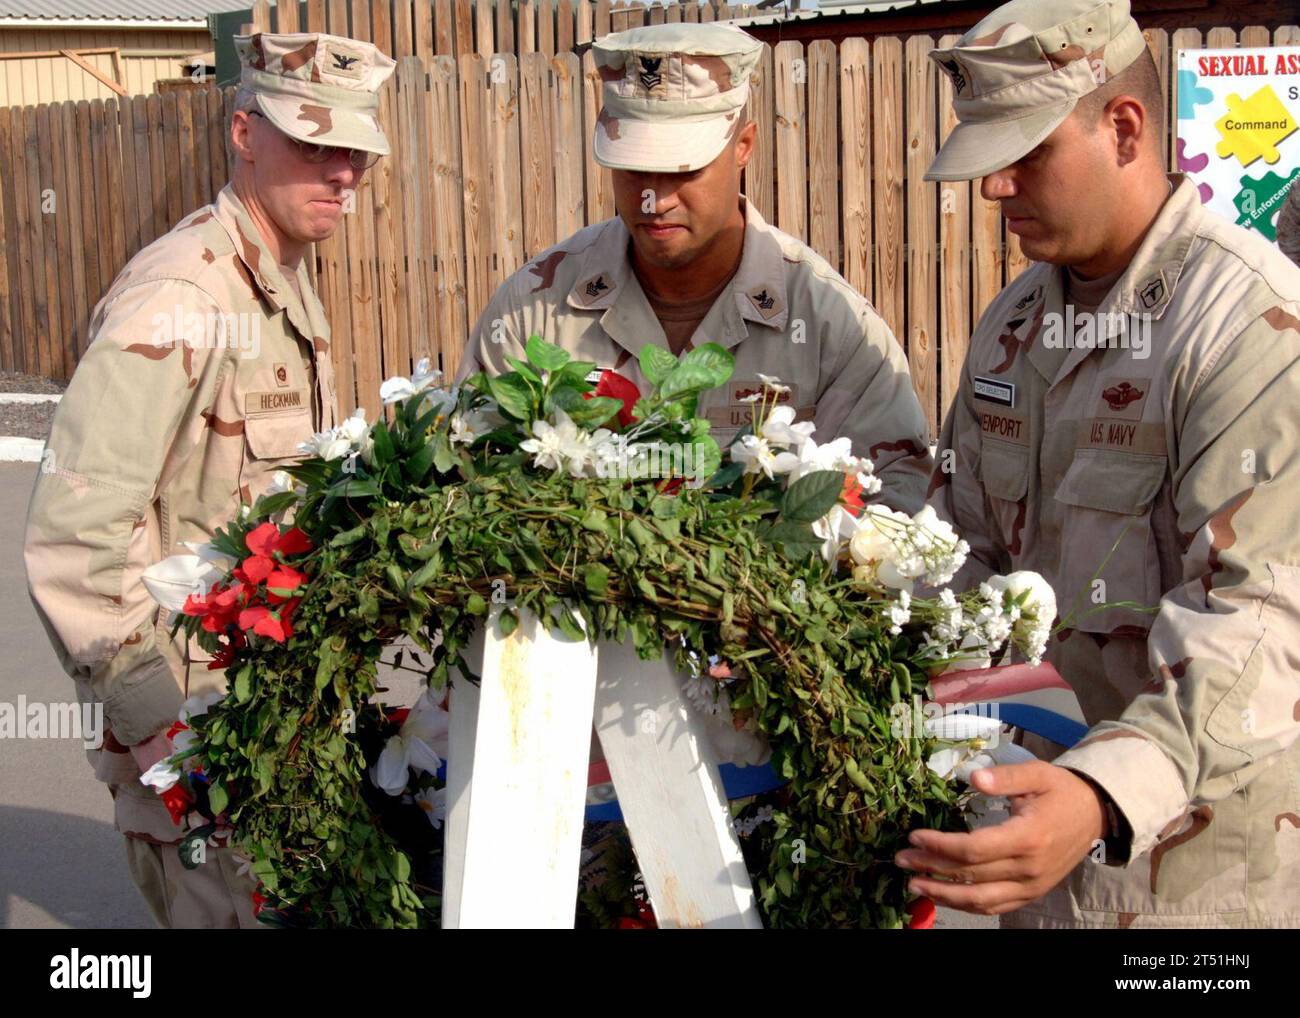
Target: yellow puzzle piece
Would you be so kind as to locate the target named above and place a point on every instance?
(1253, 129)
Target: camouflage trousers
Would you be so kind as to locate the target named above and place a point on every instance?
(214, 895)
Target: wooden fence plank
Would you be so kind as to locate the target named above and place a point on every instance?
(484, 32)
(672, 12)
(36, 342)
(706, 12)
(546, 28)
(1220, 38)
(583, 24)
(855, 162)
(600, 183)
(526, 36)
(202, 153)
(922, 240)
(1255, 35)
(25, 306)
(823, 151)
(476, 183)
(505, 28)
(185, 125)
(503, 136)
(601, 21)
(1287, 35)
(448, 200)
(422, 31)
(315, 16)
(656, 13)
(390, 223)
(95, 284)
(131, 198)
(955, 285)
(1157, 40)
(760, 174)
(403, 30)
(287, 17)
(564, 28)
(411, 161)
(46, 212)
(10, 245)
(566, 113)
(887, 181)
(81, 302)
(464, 27)
(218, 139)
(262, 15)
(537, 151)
(99, 132)
(444, 32)
(63, 348)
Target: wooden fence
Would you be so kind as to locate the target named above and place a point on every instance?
(492, 163)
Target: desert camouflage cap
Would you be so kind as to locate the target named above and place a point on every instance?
(673, 94)
(316, 87)
(1020, 72)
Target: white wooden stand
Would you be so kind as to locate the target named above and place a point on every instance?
(517, 780)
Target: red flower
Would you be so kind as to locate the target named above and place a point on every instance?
(922, 912)
(398, 716)
(264, 622)
(670, 485)
(720, 671)
(176, 729)
(259, 902)
(293, 542)
(852, 495)
(254, 569)
(611, 383)
(266, 540)
(284, 578)
(262, 540)
(178, 802)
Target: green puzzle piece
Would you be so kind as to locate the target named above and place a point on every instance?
(1260, 200)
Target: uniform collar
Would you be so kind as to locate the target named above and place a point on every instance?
(265, 274)
(1146, 287)
(756, 293)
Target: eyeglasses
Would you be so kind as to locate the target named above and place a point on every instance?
(313, 153)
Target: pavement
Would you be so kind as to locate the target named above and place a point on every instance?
(62, 864)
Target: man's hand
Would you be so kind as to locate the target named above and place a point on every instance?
(1056, 817)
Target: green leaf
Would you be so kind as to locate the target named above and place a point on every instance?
(523, 368)
(705, 367)
(513, 396)
(596, 578)
(243, 684)
(508, 622)
(384, 452)
(812, 496)
(656, 363)
(218, 799)
(416, 466)
(545, 356)
(269, 505)
(595, 411)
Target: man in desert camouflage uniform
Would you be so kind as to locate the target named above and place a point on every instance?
(1288, 225)
(1146, 454)
(209, 364)
(688, 260)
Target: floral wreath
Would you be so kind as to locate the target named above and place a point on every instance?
(789, 600)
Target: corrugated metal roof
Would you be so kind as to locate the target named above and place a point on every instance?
(119, 10)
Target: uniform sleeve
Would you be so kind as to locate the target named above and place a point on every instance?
(1225, 645)
(870, 399)
(956, 492)
(497, 334)
(132, 410)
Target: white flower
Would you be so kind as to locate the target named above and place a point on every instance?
(421, 744)
(1028, 620)
(280, 483)
(757, 454)
(434, 803)
(836, 455)
(772, 382)
(198, 705)
(326, 445)
(176, 577)
(468, 428)
(553, 443)
(398, 388)
(753, 397)
(780, 429)
(355, 428)
(243, 865)
(161, 776)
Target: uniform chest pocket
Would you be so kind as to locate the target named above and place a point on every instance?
(1108, 547)
(277, 435)
(1004, 474)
